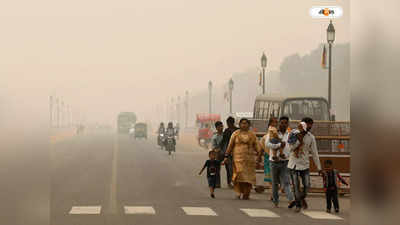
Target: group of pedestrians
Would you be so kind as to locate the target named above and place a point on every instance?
(286, 161)
(219, 144)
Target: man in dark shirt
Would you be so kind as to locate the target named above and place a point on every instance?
(224, 145)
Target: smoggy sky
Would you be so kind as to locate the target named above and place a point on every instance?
(108, 56)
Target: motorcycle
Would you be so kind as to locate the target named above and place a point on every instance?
(161, 140)
(170, 144)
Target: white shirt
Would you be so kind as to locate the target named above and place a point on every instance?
(284, 137)
(303, 162)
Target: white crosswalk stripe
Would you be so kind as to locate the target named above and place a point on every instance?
(199, 211)
(321, 215)
(260, 213)
(89, 210)
(139, 210)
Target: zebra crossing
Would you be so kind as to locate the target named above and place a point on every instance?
(201, 211)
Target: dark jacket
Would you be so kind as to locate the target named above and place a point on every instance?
(336, 177)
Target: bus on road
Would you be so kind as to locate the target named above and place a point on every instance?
(125, 121)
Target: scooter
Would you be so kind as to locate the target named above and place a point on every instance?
(161, 140)
(170, 144)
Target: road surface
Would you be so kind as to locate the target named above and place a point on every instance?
(102, 178)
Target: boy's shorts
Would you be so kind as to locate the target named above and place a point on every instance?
(212, 180)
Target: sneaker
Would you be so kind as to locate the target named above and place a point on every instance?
(298, 209)
(304, 204)
(276, 205)
(336, 210)
(283, 156)
(328, 210)
(275, 158)
(212, 196)
(292, 204)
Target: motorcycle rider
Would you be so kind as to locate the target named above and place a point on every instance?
(161, 130)
(171, 131)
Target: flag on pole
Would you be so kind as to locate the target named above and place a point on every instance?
(323, 63)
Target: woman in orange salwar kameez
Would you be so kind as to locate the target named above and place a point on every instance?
(244, 148)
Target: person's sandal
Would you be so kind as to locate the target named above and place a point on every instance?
(292, 204)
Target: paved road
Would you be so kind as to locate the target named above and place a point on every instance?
(24, 177)
(102, 178)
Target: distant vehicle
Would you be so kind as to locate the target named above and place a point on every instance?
(205, 124)
(125, 122)
(140, 130)
(295, 108)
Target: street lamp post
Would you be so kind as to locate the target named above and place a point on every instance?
(172, 109)
(230, 95)
(263, 65)
(51, 111)
(210, 94)
(58, 112)
(62, 114)
(330, 38)
(178, 110)
(186, 108)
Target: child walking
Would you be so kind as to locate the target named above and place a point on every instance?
(331, 177)
(212, 166)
